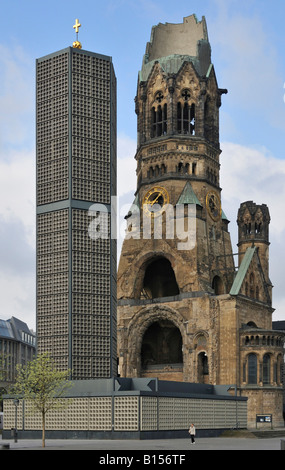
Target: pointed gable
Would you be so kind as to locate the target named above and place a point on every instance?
(188, 196)
(156, 79)
(249, 280)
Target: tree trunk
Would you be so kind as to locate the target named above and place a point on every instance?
(43, 430)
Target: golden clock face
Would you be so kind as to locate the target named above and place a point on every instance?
(213, 205)
(155, 200)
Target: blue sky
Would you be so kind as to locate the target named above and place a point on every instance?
(248, 43)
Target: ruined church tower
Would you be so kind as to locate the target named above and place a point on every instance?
(184, 313)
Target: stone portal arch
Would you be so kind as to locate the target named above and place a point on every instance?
(152, 274)
(161, 345)
(156, 339)
(159, 279)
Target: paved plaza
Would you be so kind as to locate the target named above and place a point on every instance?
(165, 446)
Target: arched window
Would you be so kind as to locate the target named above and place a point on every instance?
(159, 280)
(279, 369)
(218, 285)
(266, 369)
(251, 285)
(161, 344)
(156, 171)
(252, 369)
(186, 118)
(159, 120)
(247, 228)
(203, 370)
(180, 167)
(251, 324)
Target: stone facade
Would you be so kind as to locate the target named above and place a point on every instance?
(185, 313)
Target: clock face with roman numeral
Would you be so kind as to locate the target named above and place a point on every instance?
(155, 200)
(213, 205)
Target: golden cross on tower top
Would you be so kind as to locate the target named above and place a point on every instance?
(76, 43)
(77, 25)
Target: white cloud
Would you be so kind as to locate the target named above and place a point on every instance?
(17, 237)
(17, 191)
(17, 294)
(17, 185)
(254, 174)
(249, 64)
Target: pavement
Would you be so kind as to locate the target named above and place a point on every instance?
(163, 447)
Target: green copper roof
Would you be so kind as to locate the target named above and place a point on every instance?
(135, 204)
(188, 196)
(224, 217)
(240, 275)
(170, 64)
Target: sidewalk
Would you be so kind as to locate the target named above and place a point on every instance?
(165, 446)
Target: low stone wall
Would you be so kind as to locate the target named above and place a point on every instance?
(123, 412)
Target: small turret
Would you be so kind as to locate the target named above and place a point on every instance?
(253, 229)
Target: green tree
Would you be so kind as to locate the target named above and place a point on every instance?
(43, 385)
(4, 358)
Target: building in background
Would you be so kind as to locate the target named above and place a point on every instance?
(76, 168)
(17, 346)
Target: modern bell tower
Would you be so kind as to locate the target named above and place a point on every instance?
(76, 168)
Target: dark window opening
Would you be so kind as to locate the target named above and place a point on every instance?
(252, 369)
(247, 229)
(251, 324)
(162, 344)
(218, 286)
(186, 169)
(180, 167)
(157, 171)
(186, 118)
(266, 369)
(203, 370)
(159, 280)
(251, 283)
(159, 121)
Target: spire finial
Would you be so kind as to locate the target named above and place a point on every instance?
(76, 43)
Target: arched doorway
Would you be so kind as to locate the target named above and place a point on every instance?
(159, 280)
(218, 286)
(161, 351)
(203, 370)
